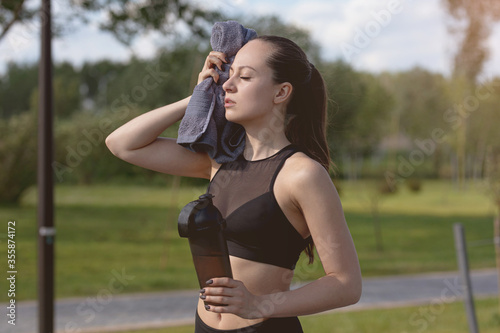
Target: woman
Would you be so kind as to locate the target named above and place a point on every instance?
(278, 198)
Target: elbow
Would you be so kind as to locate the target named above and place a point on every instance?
(355, 288)
(112, 144)
(356, 293)
(350, 291)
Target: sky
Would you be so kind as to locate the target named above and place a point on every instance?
(372, 35)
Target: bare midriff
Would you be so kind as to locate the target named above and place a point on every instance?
(259, 279)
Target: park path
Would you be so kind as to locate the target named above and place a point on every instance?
(163, 309)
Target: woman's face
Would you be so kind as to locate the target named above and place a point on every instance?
(250, 89)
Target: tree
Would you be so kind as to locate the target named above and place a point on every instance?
(16, 87)
(66, 85)
(487, 125)
(493, 178)
(17, 155)
(472, 24)
(420, 100)
(273, 25)
(482, 130)
(19, 93)
(358, 113)
(479, 16)
(12, 12)
(164, 79)
(125, 19)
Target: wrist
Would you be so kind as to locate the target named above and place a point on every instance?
(268, 305)
(259, 309)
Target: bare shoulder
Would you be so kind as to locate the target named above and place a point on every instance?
(300, 170)
(307, 180)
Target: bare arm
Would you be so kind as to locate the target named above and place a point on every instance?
(314, 194)
(138, 141)
(318, 199)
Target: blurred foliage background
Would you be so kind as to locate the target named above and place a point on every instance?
(412, 124)
(415, 150)
(387, 131)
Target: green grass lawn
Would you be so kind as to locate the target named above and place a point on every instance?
(438, 318)
(133, 229)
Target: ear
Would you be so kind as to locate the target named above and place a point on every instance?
(283, 92)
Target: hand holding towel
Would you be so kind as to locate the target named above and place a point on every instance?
(204, 127)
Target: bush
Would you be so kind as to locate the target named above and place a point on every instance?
(80, 154)
(388, 185)
(386, 188)
(414, 185)
(18, 155)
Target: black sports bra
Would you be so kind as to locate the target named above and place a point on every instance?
(257, 229)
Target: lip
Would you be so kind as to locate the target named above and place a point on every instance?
(229, 102)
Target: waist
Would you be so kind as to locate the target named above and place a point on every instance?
(259, 279)
(271, 325)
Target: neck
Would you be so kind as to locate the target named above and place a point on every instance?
(263, 143)
(256, 149)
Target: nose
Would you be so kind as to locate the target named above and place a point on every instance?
(228, 86)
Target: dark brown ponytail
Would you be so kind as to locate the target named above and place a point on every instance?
(306, 111)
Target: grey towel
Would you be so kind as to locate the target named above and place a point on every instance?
(204, 127)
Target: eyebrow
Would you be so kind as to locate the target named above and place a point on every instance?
(244, 66)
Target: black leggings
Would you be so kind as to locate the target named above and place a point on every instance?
(271, 325)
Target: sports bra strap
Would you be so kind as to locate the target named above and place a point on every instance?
(291, 150)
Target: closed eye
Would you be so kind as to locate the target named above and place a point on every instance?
(245, 77)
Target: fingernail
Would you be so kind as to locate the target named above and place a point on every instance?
(210, 281)
(202, 291)
(207, 307)
(203, 296)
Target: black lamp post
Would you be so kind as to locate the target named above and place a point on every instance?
(46, 231)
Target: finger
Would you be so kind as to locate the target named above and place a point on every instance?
(208, 73)
(224, 281)
(218, 300)
(221, 291)
(219, 55)
(220, 309)
(213, 61)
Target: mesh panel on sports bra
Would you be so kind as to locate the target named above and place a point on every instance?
(241, 181)
(257, 228)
